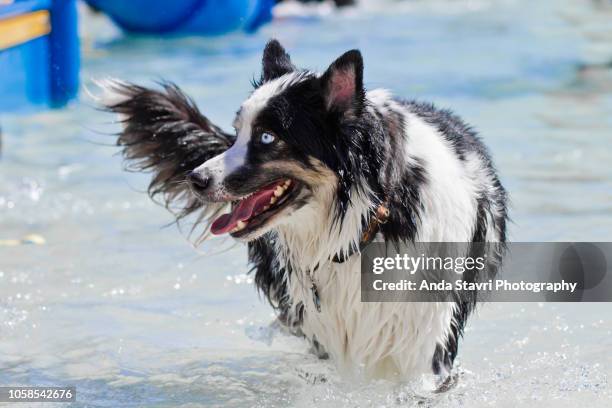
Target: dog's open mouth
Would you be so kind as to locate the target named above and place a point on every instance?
(251, 212)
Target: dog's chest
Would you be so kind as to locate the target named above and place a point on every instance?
(377, 339)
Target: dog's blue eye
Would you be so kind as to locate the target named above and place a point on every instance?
(267, 138)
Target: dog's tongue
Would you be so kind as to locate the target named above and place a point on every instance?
(244, 210)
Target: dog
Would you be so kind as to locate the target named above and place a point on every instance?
(315, 164)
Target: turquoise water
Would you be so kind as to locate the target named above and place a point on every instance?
(131, 314)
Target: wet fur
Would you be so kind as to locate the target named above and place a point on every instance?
(165, 134)
(432, 169)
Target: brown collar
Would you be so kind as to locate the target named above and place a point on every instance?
(380, 217)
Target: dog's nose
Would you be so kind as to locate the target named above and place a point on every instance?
(198, 180)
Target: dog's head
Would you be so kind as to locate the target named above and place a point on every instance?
(292, 147)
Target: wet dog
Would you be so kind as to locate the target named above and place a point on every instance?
(318, 166)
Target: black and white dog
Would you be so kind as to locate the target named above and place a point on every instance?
(313, 161)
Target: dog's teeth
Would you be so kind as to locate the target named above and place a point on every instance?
(279, 191)
(241, 225)
(273, 200)
(266, 207)
(233, 230)
(287, 183)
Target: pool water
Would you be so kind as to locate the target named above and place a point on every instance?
(118, 303)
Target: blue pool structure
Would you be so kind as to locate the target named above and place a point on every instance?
(192, 17)
(39, 44)
(39, 54)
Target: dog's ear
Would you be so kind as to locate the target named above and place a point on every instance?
(342, 84)
(275, 62)
(164, 133)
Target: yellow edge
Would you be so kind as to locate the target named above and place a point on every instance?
(20, 29)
